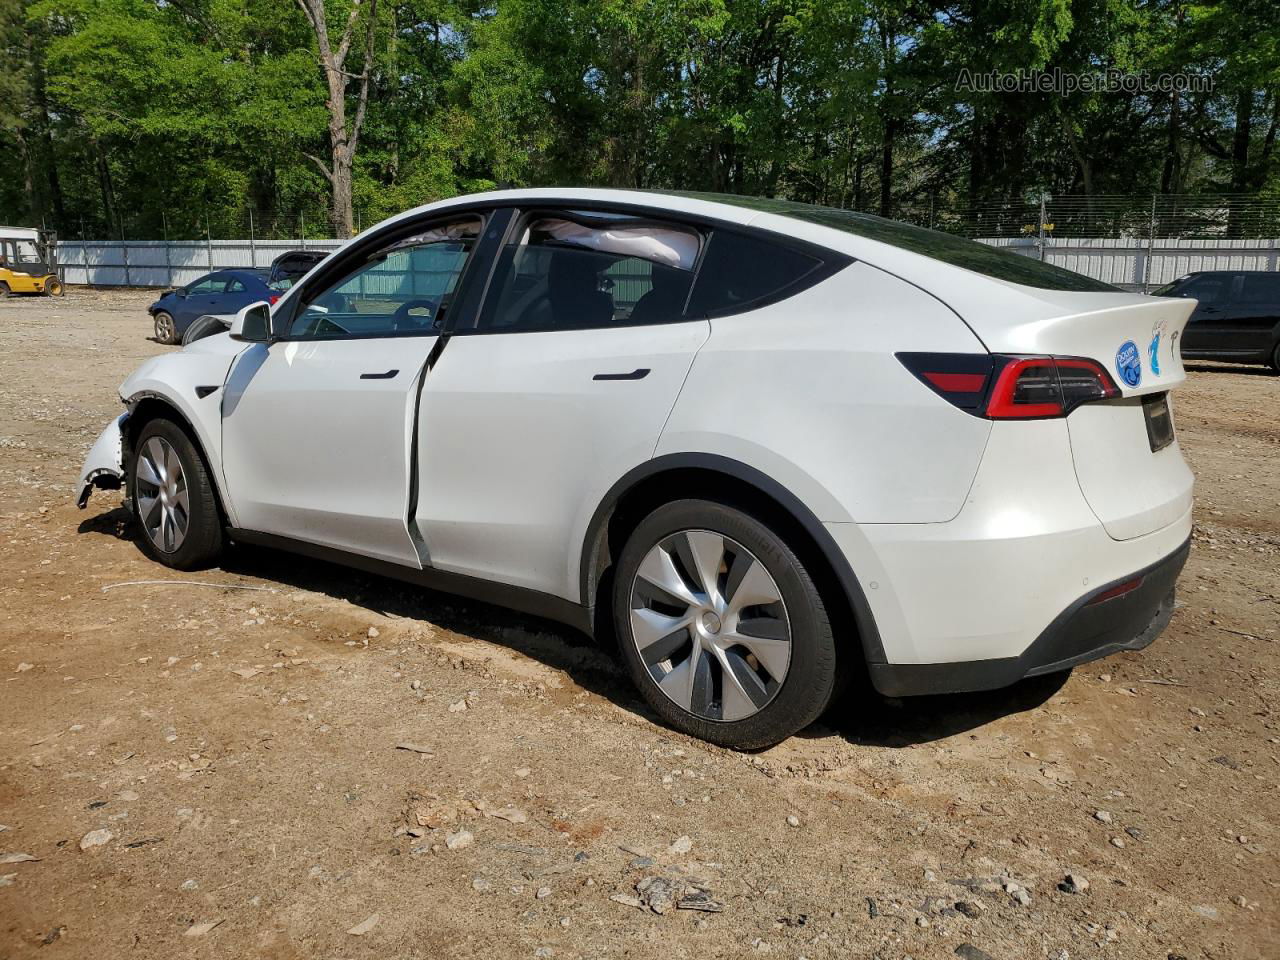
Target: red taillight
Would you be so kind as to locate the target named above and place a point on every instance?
(273, 298)
(1002, 387)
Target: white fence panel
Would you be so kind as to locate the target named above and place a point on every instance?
(157, 263)
(1121, 261)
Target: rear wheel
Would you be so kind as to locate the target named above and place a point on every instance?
(721, 626)
(173, 498)
(1275, 358)
(166, 331)
(53, 287)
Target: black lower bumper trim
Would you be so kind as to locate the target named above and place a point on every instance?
(1085, 631)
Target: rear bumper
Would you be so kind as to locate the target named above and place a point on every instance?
(1086, 630)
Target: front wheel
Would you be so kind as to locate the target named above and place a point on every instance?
(4, 290)
(721, 626)
(53, 287)
(166, 330)
(173, 498)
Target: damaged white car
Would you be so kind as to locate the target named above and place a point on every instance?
(767, 446)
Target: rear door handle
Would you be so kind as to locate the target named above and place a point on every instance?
(638, 374)
(389, 375)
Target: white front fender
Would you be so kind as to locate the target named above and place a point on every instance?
(104, 466)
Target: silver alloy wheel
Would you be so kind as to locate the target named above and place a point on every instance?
(163, 505)
(164, 327)
(710, 625)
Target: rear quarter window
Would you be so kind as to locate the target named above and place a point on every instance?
(740, 272)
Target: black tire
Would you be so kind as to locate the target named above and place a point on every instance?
(53, 287)
(1275, 359)
(166, 329)
(4, 290)
(202, 540)
(812, 675)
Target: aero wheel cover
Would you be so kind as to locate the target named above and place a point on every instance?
(164, 507)
(710, 625)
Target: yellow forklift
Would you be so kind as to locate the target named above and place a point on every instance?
(29, 262)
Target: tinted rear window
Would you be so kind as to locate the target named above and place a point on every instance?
(739, 271)
(969, 254)
(1261, 288)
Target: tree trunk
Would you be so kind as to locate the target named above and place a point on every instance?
(1171, 176)
(1240, 178)
(344, 134)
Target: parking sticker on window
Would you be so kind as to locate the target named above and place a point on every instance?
(1129, 363)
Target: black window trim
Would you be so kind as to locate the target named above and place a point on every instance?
(829, 261)
(361, 253)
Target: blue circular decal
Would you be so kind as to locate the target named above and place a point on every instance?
(1129, 363)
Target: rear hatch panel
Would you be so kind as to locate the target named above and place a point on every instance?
(1132, 488)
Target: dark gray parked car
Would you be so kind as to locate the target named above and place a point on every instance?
(1237, 318)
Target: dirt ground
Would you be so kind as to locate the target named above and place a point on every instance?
(240, 746)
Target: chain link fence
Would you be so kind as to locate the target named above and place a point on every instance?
(1137, 242)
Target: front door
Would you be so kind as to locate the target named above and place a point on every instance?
(562, 386)
(318, 427)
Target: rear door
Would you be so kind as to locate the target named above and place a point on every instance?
(560, 388)
(1209, 330)
(1255, 316)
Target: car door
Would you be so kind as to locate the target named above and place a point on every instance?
(1208, 330)
(200, 299)
(1254, 316)
(561, 387)
(318, 426)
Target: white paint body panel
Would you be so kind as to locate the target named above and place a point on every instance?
(967, 536)
(1024, 548)
(808, 391)
(520, 444)
(313, 452)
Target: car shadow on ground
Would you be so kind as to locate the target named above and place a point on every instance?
(1251, 371)
(861, 717)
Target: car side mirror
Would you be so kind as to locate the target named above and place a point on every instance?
(252, 324)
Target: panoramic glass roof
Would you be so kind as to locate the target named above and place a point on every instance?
(969, 254)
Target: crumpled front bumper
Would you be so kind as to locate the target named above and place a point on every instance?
(104, 466)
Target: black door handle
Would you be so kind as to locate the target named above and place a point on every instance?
(390, 374)
(638, 374)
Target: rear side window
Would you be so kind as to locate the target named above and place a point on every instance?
(739, 272)
(1261, 288)
(1208, 288)
(583, 270)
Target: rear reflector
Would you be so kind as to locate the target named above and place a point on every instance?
(1118, 590)
(1001, 387)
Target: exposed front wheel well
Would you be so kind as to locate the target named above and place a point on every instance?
(624, 512)
(150, 408)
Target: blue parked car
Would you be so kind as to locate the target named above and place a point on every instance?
(220, 293)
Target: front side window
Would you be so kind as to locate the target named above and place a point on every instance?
(207, 286)
(593, 270)
(1209, 289)
(404, 289)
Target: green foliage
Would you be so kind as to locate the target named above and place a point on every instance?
(146, 116)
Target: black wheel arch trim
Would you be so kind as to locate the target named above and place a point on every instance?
(132, 425)
(590, 569)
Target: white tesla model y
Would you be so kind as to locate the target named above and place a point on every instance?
(768, 446)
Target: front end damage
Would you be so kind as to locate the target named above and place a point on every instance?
(104, 466)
